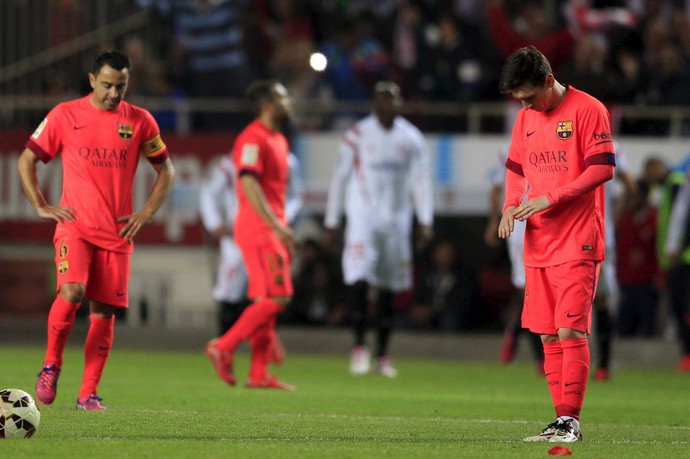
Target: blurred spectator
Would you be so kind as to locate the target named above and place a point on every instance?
(588, 69)
(355, 59)
(444, 298)
(452, 69)
(412, 35)
(636, 264)
(216, 47)
(533, 25)
(150, 78)
(318, 290)
(673, 252)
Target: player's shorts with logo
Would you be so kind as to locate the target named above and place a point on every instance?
(382, 257)
(268, 267)
(105, 273)
(560, 296)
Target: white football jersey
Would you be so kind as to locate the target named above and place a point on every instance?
(382, 176)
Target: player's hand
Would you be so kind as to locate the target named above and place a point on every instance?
(531, 207)
(220, 232)
(57, 213)
(329, 238)
(424, 235)
(133, 224)
(507, 223)
(286, 236)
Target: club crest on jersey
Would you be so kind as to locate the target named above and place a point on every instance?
(564, 130)
(63, 266)
(250, 154)
(125, 131)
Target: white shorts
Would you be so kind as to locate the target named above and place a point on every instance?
(381, 257)
(516, 250)
(231, 278)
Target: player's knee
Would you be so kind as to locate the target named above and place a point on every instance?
(72, 292)
(569, 333)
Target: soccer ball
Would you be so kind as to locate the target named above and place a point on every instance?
(19, 415)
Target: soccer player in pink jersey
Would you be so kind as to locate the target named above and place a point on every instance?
(562, 147)
(260, 157)
(100, 138)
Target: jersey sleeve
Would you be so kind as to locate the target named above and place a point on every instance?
(248, 155)
(597, 141)
(514, 161)
(341, 174)
(152, 146)
(46, 140)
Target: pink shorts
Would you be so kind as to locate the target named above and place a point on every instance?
(560, 297)
(268, 268)
(104, 273)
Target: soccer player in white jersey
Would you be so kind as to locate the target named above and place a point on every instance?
(218, 208)
(382, 178)
(514, 244)
(607, 295)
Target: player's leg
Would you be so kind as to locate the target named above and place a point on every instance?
(107, 290)
(577, 283)
(385, 316)
(99, 342)
(517, 275)
(358, 299)
(358, 262)
(606, 295)
(393, 274)
(72, 260)
(604, 336)
(679, 295)
(230, 289)
(261, 342)
(271, 284)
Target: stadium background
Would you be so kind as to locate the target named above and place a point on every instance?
(44, 46)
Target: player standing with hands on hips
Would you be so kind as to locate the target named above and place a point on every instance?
(100, 138)
(383, 173)
(563, 149)
(260, 158)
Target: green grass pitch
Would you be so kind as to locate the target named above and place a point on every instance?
(171, 405)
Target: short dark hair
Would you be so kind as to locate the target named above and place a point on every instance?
(525, 66)
(259, 92)
(115, 59)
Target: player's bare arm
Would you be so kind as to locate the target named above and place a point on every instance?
(160, 191)
(252, 189)
(27, 168)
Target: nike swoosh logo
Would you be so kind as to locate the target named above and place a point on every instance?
(530, 133)
(120, 294)
(570, 316)
(79, 127)
(571, 383)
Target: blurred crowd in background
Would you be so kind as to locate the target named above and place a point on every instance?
(627, 52)
(621, 51)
